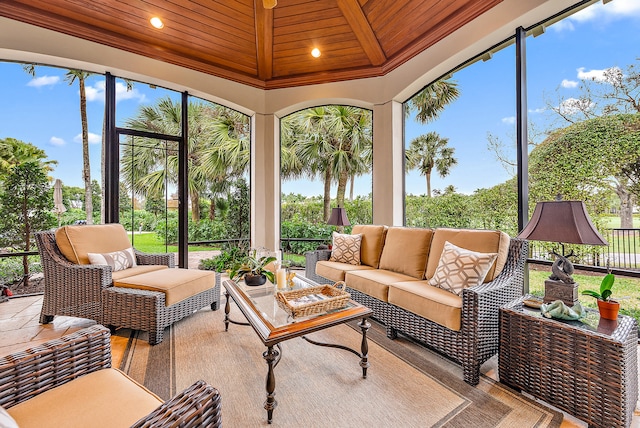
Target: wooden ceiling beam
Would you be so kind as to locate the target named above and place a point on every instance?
(264, 40)
(362, 29)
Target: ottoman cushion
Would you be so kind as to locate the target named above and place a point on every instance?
(176, 284)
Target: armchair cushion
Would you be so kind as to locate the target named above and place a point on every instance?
(139, 269)
(75, 242)
(176, 284)
(106, 398)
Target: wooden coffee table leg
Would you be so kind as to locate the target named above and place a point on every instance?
(227, 309)
(271, 357)
(364, 347)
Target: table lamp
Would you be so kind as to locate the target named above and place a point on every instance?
(339, 218)
(564, 222)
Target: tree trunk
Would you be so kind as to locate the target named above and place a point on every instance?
(212, 209)
(86, 168)
(342, 188)
(428, 175)
(327, 195)
(352, 184)
(626, 207)
(195, 206)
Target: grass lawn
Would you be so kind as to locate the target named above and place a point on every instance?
(613, 222)
(148, 242)
(625, 290)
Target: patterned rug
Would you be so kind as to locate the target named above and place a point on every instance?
(407, 385)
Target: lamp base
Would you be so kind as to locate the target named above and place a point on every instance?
(558, 290)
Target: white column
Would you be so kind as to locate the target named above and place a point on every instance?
(265, 181)
(388, 165)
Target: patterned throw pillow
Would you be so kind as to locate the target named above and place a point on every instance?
(460, 268)
(346, 248)
(118, 260)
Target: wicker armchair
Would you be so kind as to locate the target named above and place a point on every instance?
(27, 374)
(477, 339)
(87, 291)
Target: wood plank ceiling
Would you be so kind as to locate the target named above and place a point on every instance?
(242, 41)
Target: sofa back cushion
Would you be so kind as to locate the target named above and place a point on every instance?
(373, 237)
(481, 241)
(75, 242)
(406, 250)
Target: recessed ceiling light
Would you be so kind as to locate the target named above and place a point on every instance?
(315, 52)
(156, 22)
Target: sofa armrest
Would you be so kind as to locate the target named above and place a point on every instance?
(311, 258)
(164, 259)
(196, 406)
(481, 304)
(28, 373)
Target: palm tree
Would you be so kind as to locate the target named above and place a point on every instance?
(428, 151)
(81, 76)
(433, 99)
(218, 148)
(331, 142)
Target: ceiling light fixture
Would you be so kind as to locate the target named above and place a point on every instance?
(157, 22)
(315, 52)
(269, 4)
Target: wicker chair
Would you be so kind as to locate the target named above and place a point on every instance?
(477, 339)
(24, 375)
(87, 291)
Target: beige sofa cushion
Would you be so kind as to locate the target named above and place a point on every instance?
(429, 302)
(75, 242)
(482, 241)
(335, 271)
(374, 282)
(406, 250)
(176, 284)
(373, 237)
(105, 398)
(121, 274)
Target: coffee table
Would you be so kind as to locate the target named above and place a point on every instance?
(273, 325)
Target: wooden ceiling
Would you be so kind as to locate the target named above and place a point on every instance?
(242, 41)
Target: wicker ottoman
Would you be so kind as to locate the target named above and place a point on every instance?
(588, 369)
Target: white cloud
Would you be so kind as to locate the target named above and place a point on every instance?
(574, 105)
(57, 141)
(612, 11)
(597, 75)
(509, 120)
(93, 138)
(566, 83)
(96, 92)
(38, 82)
(537, 110)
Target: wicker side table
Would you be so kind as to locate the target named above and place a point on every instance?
(588, 369)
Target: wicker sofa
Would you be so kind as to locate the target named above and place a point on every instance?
(68, 382)
(148, 296)
(393, 280)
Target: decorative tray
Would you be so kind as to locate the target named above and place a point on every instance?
(313, 300)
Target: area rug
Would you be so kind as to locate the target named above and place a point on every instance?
(407, 385)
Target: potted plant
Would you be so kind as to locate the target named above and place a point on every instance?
(253, 269)
(606, 305)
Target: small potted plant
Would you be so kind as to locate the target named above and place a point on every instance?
(606, 305)
(253, 269)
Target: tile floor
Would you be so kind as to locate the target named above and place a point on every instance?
(20, 329)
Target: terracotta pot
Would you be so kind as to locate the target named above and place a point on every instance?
(254, 279)
(609, 309)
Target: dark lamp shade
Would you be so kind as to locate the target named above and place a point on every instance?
(338, 217)
(566, 222)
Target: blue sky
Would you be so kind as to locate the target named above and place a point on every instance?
(45, 111)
